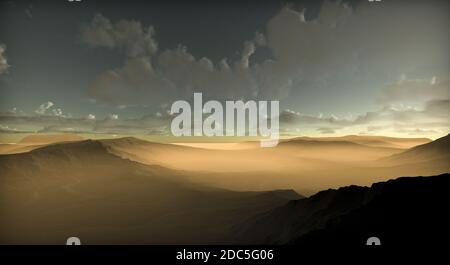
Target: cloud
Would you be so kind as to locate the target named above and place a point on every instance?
(148, 124)
(4, 66)
(7, 129)
(149, 76)
(417, 131)
(49, 109)
(325, 130)
(48, 119)
(57, 112)
(415, 91)
(43, 108)
(129, 35)
(29, 11)
(113, 117)
(341, 48)
(345, 47)
(432, 119)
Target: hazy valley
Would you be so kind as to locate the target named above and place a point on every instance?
(129, 190)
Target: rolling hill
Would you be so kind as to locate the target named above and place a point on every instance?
(50, 138)
(82, 189)
(374, 141)
(438, 150)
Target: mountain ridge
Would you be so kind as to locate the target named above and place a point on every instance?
(350, 215)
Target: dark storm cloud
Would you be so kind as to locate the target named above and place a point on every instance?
(149, 77)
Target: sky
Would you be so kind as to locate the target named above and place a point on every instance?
(115, 67)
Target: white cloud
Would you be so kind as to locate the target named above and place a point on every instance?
(113, 116)
(4, 66)
(43, 108)
(49, 109)
(57, 112)
(90, 117)
(432, 119)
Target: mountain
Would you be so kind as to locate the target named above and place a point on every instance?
(83, 189)
(404, 211)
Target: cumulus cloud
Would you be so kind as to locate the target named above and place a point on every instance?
(339, 49)
(3, 60)
(136, 39)
(48, 109)
(345, 47)
(432, 119)
(150, 76)
(43, 108)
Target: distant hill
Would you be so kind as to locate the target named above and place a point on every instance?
(50, 138)
(374, 141)
(83, 189)
(336, 150)
(436, 150)
(404, 211)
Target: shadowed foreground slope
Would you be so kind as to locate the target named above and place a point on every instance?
(404, 211)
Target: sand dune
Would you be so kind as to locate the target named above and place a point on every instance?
(17, 148)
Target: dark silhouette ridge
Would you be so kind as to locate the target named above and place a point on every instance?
(404, 211)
